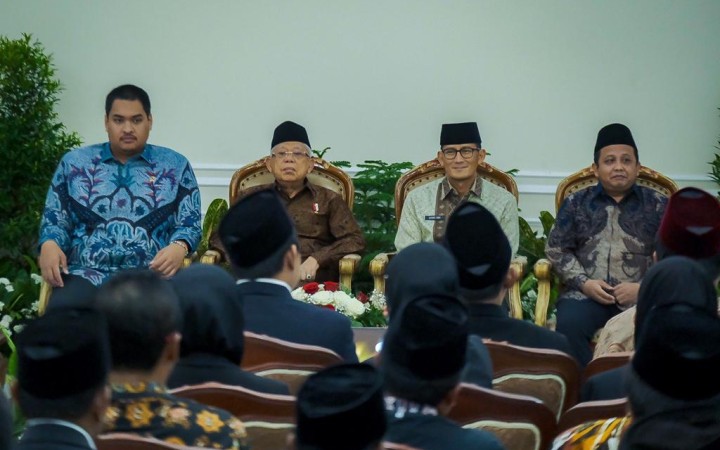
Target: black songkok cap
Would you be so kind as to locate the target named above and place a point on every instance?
(254, 232)
(691, 224)
(614, 134)
(478, 243)
(289, 131)
(427, 340)
(678, 355)
(460, 133)
(341, 407)
(62, 353)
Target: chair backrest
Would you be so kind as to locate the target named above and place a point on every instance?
(548, 375)
(519, 421)
(268, 418)
(323, 174)
(604, 363)
(128, 441)
(592, 411)
(586, 178)
(431, 170)
(285, 361)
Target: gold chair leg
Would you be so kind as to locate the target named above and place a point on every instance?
(518, 265)
(45, 291)
(348, 265)
(543, 273)
(377, 269)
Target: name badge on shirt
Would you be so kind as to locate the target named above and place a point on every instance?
(436, 218)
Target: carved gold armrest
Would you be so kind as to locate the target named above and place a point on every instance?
(348, 266)
(378, 266)
(211, 257)
(543, 273)
(518, 265)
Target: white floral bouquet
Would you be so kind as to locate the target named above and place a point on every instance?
(19, 300)
(362, 310)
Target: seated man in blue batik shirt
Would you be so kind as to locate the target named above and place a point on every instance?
(121, 204)
(603, 240)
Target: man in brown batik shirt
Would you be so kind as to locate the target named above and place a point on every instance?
(326, 228)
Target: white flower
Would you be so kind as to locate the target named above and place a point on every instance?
(377, 299)
(322, 298)
(4, 281)
(299, 294)
(353, 307)
(5, 322)
(9, 287)
(2, 305)
(18, 328)
(36, 278)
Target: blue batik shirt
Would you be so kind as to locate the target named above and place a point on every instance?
(595, 237)
(108, 216)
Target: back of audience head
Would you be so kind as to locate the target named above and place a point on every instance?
(212, 314)
(143, 319)
(419, 269)
(63, 366)
(423, 354)
(341, 407)
(260, 239)
(672, 385)
(674, 280)
(691, 227)
(482, 253)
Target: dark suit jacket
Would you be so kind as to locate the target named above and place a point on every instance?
(606, 385)
(489, 321)
(269, 309)
(199, 368)
(51, 436)
(437, 433)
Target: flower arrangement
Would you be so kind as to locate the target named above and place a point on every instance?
(19, 300)
(363, 310)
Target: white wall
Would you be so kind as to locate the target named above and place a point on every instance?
(376, 79)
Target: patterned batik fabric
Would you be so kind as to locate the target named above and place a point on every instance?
(595, 237)
(427, 208)
(148, 409)
(601, 435)
(108, 216)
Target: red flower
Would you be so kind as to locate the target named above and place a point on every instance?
(362, 297)
(331, 286)
(311, 288)
(330, 307)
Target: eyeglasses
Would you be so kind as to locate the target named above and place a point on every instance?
(465, 152)
(293, 155)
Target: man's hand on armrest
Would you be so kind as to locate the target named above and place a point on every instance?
(309, 269)
(599, 291)
(169, 259)
(52, 262)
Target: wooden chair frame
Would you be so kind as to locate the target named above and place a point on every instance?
(604, 363)
(577, 181)
(425, 173)
(592, 411)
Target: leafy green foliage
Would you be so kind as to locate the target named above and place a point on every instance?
(32, 141)
(214, 214)
(715, 170)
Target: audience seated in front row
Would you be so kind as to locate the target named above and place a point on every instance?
(428, 269)
(340, 407)
(422, 358)
(482, 254)
(673, 388)
(212, 332)
(143, 319)
(674, 280)
(602, 241)
(63, 366)
(262, 245)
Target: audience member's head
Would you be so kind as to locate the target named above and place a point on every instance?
(419, 269)
(423, 354)
(460, 151)
(482, 253)
(691, 227)
(212, 315)
(77, 292)
(341, 407)
(673, 390)
(616, 164)
(63, 366)
(260, 240)
(144, 323)
(676, 279)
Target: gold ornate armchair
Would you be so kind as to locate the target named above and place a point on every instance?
(580, 180)
(429, 171)
(323, 174)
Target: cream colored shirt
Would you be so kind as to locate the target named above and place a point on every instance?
(421, 211)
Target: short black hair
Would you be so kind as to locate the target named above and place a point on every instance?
(71, 407)
(273, 264)
(141, 309)
(127, 92)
